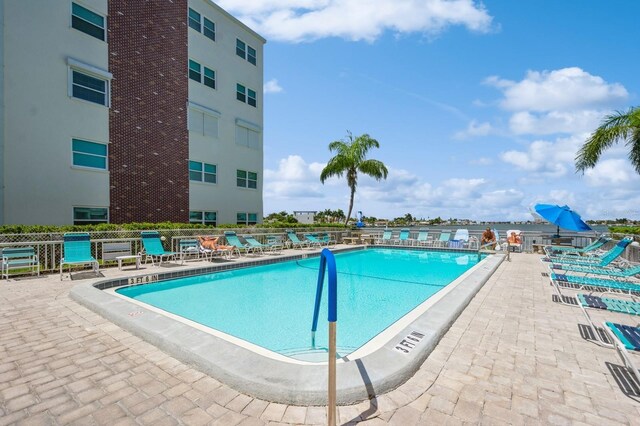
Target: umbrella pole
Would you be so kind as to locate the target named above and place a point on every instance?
(557, 231)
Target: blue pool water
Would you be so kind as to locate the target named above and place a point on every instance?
(272, 306)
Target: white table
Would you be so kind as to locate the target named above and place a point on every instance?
(137, 257)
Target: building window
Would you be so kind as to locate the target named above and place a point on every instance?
(202, 123)
(89, 88)
(208, 77)
(90, 215)
(243, 218)
(194, 20)
(247, 137)
(202, 172)
(246, 95)
(205, 218)
(88, 22)
(246, 179)
(209, 29)
(202, 25)
(246, 52)
(89, 154)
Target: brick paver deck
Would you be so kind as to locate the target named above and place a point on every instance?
(513, 357)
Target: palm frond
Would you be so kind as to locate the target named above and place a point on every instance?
(634, 148)
(374, 168)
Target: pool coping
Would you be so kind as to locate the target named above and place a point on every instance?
(278, 381)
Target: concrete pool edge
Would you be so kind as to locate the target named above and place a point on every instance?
(273, 380)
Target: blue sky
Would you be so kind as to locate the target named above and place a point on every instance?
(479, 108)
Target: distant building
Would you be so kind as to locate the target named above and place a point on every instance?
(121, 111)
(307, 217)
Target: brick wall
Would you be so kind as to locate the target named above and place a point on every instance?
(149, 140)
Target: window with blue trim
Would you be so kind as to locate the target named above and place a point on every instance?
(82, 19)
(244, 218)
(89, 88)
(89, 154)
(203, 172)
(90, 215)
(205, 218)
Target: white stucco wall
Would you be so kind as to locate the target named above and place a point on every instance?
(41, 186)
(225, 197)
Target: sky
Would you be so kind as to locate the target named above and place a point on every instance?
(479, 107)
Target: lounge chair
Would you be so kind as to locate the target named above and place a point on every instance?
(275, 242)
(209, 247)
(629, 272)
(326, 239)
(443, 240)
(461, 238)
(423, 238)
(188, 248)
(76, 250)
(234, 241)
(604, 260)
(598, 284)
(625, 338)
(313, 240)
(595, 245)
(385, 238)
(294, 241)
(511, 245)
(257, 245)
(152, 245)
(403, 237)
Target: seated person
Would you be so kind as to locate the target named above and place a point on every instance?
(514, 239)
(487, 237)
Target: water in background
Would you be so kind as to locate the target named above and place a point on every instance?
(543, 228)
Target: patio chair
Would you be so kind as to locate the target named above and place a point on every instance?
(234, 241)
(625, 338)
(256, 245)
(326, 239)
(153, 249)
(443, 239)
(598, 284)
(423, 238)
(595, 245)
(461, 237)
(294, 241)
(403, 237)
(385, 238)
(514, 240)
(611, 272)
(313, 241)
(209, 247)
(76, 250)
(188, 248)
(604, 260)
(275, 242)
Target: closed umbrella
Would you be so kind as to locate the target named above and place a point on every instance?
(562, 216)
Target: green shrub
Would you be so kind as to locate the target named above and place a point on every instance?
(629, 230)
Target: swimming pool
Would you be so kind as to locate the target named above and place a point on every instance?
(271, 306)
(383, 363)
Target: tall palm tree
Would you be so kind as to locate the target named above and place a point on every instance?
(615, 127)
(351, 158)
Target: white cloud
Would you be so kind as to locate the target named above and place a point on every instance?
(543, 158)
(294, 178)
(566, 89)
(272, 86)
(612, 173)
(304, 20)
(474, 129)
(547, 123)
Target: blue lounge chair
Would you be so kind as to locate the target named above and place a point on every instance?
(443, 240)
(152, 246)
(461, 238)
(76, 250)
(625, 338)
(294, 241)
(275, 242)
(604, 260)
(385, 238)
(233, 240)
(403, 237)
(423, 238)
(551, 250)
(585, 301)
(599, 270)
(256, 245)
(313, 241)
(599, 284)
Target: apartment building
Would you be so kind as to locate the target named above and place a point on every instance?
(126, 110)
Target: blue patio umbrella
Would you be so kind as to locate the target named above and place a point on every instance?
(562, 216)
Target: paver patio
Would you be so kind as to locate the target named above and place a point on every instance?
(513, 357)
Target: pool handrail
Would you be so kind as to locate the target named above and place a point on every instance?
(327, 261)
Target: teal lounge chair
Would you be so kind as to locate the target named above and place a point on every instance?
(152, 246)
(444, 238)
(551, 250)
(233, 240)
(294, 241)
(625, 338)
(403, 237)
(76, 250)
(256, 245)
(326, 239)
(313, 240)
(599, 270)
(604, 260)
(423, 238)
(598, 284)
(385, 238)
(275, 242)
(585, 301)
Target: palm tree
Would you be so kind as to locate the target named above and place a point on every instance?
(351, 158)
(615, 127)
